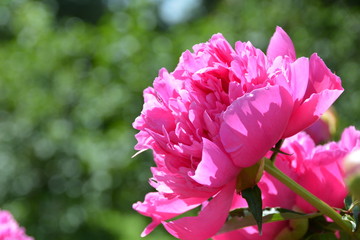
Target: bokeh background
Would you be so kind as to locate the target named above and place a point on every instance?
(72, 74)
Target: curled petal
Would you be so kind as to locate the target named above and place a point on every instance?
(321, 78)
(311, 110)
(323, 89)
(281, 45)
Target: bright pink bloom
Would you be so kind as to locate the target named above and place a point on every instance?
(221, 110)
(10, 229)
(317, 168)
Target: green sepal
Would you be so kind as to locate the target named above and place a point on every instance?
(250, 176)
(242, 217)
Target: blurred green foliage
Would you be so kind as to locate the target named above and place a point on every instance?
(72, 75)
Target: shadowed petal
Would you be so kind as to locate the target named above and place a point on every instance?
(216, 168)
(254, 123)
(329, 187)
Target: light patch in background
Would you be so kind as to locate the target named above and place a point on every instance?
(174, 11)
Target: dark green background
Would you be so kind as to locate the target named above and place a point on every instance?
(72, 74)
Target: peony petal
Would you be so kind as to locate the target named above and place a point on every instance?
(299, 78)
(350, 139)
(323, 89)
(281, 45)
(270, 231)
(160, 208)
(208, 222)
(216, 168)
(166, 86)
(254, 123)
(321, 78)
(310, 111)
(219, 48)
(323, 184)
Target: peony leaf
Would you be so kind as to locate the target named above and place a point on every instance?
(253, 198)
(242, 217)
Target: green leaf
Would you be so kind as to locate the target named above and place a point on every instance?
(253, 198)
(242, 217)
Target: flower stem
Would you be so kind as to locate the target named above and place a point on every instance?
(305, 194)
(276, 150)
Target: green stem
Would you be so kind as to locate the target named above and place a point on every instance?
(277, 149)
(305, 194)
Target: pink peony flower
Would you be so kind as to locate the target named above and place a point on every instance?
(10, 229)
(221, 110)
(317, 168)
